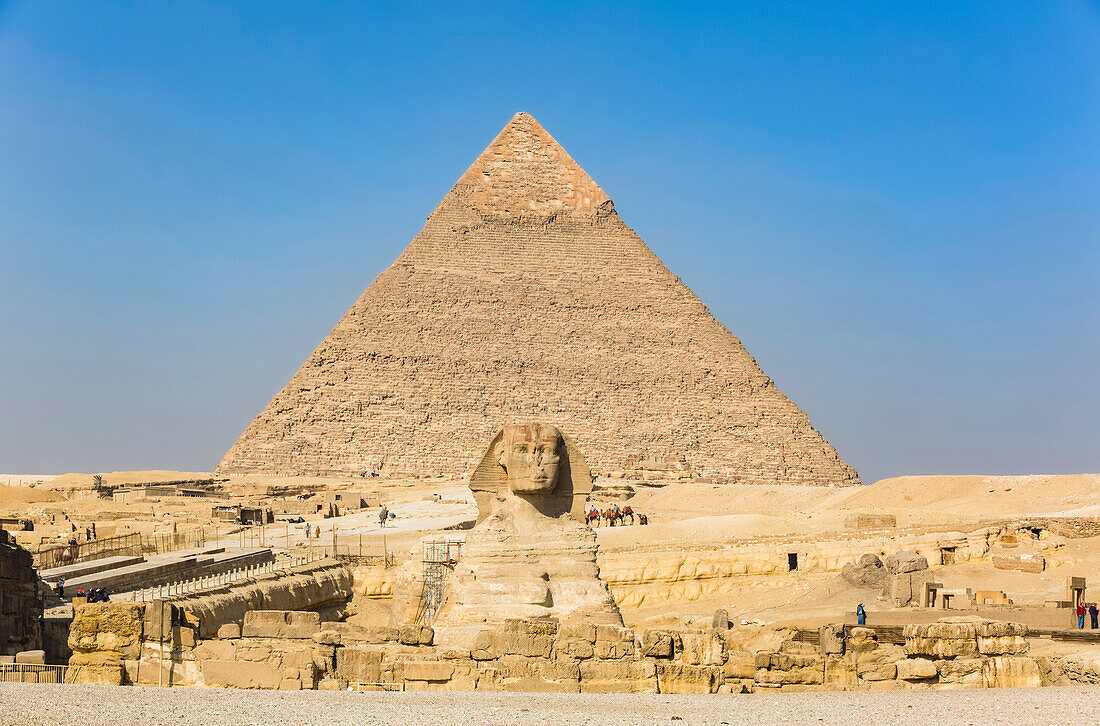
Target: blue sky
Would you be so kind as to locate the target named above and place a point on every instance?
(893, 205)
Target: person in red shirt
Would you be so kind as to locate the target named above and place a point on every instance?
(1081, 617)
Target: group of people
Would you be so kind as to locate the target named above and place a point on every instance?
(614, 516)
(96, 594)
(1093, 613)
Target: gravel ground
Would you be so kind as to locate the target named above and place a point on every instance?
(117, 706)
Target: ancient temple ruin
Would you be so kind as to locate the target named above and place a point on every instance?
(525, 296)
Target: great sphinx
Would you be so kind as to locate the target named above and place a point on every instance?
(529, 553)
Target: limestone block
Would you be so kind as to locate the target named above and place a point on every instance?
(721, 620)
(878, 664)
(831, 639)
(657, 644)
(100, 669)
(794, 647)
(679, 678)
(840, 673)
(377, 634)
(253, 651)
(37, 657)
(614, 633)
(229, 631)
(328, 637)
(216, 650)
(1025, 562)
(415, 635)
(781, 668)
(577, 631)
(960, 672)
(531, 638)
(907, 588)
(1001, 638)
(237, 674)
(868, 574)
(881, 672)
(916, 669)
(428, 671)
(905, 561)
(945, 639)
(332, 684)
(108, 627)
(359, 665)
(740, 665)
(562, 669)
(518, 673)
(297, 657)
(702, 648)
(488, 645)
(610, 649)
(280, 624)
(1006, 671)
(618, 676)
(288, 684)
(186, 637)
(1079, 667)
(579, 649)
(860, 640)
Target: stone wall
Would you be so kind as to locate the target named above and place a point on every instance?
(298, 650)
(644, 578)
(20, 604)
(524, 298)
(112, 643)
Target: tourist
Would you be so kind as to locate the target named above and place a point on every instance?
(1093, 613)
(861, 615)
(1081, 616)
(61, 594)
(307, 530)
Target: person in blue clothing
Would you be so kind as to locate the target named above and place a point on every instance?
(861, 615)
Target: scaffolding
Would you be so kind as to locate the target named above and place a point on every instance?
(439, 556)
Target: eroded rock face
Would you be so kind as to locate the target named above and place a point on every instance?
(20, 606)
(905, 561)
(530, 455)
(529, 556)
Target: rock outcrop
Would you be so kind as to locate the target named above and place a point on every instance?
(20, 605)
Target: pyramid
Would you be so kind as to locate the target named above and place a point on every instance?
(526, 298)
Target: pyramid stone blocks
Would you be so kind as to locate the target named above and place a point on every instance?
(526, 297)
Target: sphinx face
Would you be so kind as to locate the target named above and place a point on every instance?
(530, 455)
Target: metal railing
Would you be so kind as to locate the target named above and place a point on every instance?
(34, 673)
(126, 544)
(213, 582)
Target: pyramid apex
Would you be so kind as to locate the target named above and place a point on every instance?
(525, 172)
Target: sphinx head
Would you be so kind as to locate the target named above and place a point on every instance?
(530, 454)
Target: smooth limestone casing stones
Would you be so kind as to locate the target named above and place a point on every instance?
(525, 294)
(529, 556)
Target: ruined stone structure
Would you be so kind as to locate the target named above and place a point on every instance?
(122, 644)
(20, 605)
(530, 555)
(525, 296)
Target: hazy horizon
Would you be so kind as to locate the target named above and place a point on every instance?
(895, 209)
